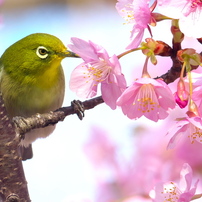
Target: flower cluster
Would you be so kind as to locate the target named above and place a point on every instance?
(147, 97)
(150, 97)
(150, 174)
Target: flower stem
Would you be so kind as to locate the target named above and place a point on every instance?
(145, 73)
(127, 52)
(190, 84)
(182, 71)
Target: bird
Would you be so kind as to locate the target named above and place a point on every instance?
(32, 81)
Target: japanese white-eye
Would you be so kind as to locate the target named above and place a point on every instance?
(32, 81)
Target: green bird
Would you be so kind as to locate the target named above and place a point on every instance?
(32, 81)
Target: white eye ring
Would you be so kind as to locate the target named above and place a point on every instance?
(42, 52)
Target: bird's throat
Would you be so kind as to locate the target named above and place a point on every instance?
(49, 77)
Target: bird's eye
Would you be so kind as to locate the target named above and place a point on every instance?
(42, 52)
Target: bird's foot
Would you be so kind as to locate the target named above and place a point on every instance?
(78, 108)
(20, 123)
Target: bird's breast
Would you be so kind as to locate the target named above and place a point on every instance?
(40, 94)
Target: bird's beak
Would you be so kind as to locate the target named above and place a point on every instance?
(68, 53)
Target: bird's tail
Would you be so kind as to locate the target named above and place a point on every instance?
(25, 152)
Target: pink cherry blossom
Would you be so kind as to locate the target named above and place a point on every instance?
(182, 95)
(190, 127)
(181, 102)
(187, 11)
(136, 12)
(149, 97)
(171, 191)
(97, 68)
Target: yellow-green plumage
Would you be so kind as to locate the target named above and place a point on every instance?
(32, 79)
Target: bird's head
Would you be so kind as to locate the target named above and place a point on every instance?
(34, 54)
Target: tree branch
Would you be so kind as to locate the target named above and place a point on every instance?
(24, 125)
(13, 185)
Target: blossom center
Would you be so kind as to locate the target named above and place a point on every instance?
(171, 193)
(196, 134)
(128, 13)
(146, 98)
(98, 71)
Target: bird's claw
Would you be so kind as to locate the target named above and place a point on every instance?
(78, 108)
(19, 121)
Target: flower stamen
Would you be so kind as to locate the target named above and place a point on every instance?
(128, 14)
(170, 193)
(97, 71)
(146, 99)
(196, 134)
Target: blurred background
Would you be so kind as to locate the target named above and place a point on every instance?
(101, 158)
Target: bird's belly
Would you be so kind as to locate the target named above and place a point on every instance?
(42, 102)
(36, 100)
(25, 101)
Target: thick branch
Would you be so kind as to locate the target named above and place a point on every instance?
(13, 185)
